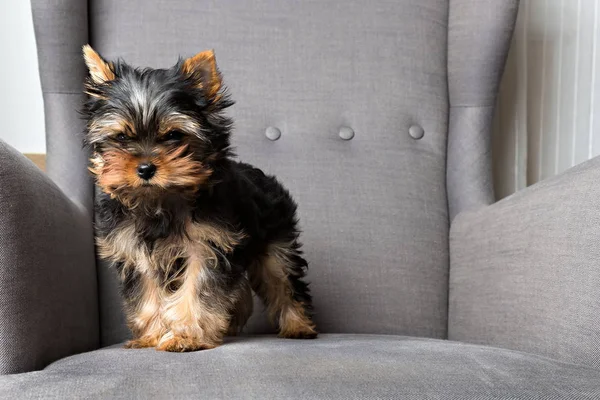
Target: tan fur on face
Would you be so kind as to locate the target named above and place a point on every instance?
(269, 278)
(109, 125)
(173, 169)
(178, 122)
(115, 169)
(116, 173)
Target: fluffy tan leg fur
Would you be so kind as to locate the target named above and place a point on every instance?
(270, 279)
(178, 307)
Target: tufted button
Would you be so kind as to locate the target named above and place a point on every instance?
(273, 133)
(346, 133)
(416, 132)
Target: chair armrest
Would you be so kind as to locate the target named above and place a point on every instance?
(525, 272)
(48, 290)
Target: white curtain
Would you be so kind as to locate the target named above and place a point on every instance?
(548, 113)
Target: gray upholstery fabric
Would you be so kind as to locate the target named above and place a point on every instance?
(373, 209)
(48, 297)
(331, 367)
(112, 319)
(469, 169)
(61, 28)
(479, 34)
(525, 271)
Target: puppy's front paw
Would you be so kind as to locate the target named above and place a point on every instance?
(306, 333)
(180, 344)
(141, 343)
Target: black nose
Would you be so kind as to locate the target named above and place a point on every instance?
(146, 170)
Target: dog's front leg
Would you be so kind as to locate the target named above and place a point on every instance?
(196, 315)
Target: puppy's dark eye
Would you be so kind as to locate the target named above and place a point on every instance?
(121, 137)
(174, 136)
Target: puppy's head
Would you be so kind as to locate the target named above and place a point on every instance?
(154, 132)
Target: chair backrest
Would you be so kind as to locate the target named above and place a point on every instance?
(379, 104)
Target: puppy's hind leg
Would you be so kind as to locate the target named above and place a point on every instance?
(242, 309)
(277, 280)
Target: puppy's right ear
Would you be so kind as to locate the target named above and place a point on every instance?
(100, 70)
(202, 69)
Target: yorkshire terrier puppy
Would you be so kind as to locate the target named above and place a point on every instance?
(189, 230)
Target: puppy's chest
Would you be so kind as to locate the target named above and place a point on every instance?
(202, 242)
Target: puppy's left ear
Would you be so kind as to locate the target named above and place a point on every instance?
(202, 69)
(100, 70)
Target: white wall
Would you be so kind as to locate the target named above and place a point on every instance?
(21, 108)
(548, 115)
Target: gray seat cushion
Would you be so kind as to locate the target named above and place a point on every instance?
(333, 366)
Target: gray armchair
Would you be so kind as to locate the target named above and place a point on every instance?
(423, 288)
